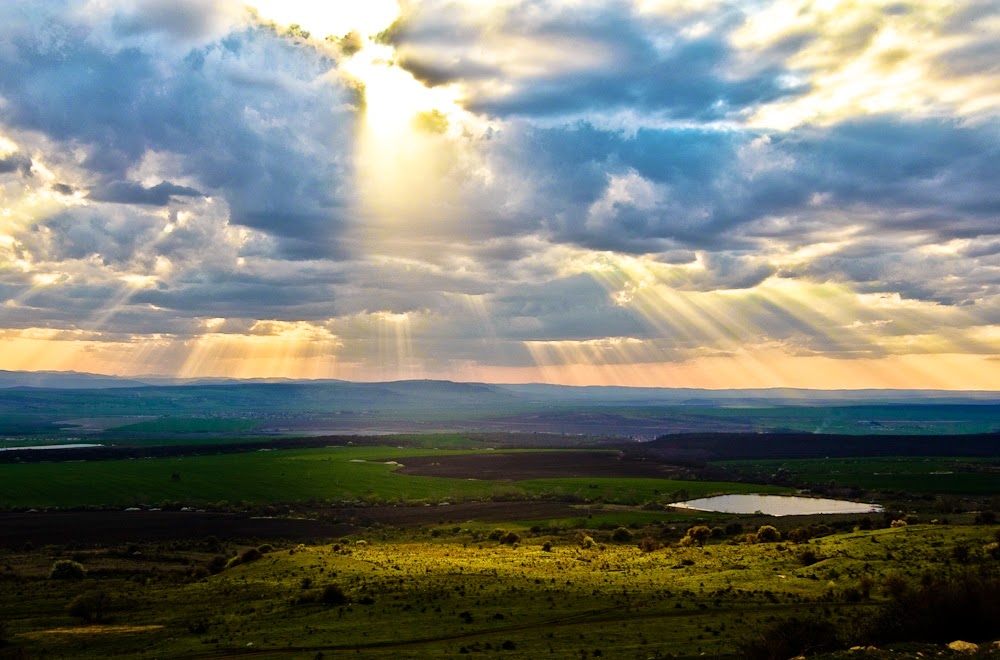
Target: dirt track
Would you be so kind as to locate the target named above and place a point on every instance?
(538, 465)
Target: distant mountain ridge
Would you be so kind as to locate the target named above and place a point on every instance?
(64, 380)
(63, 404)
(534, 393)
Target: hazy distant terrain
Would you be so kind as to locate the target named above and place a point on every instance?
(54, 406)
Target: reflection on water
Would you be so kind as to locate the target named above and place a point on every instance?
(32, 447)
(776, 505)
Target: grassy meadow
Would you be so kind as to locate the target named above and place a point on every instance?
(582, 567)
(461, 592)
(334, 474)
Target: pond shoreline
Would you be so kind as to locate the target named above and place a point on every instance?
(776, 505)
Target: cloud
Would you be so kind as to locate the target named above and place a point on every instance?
(916, 57)
(609, 191)
(185, 23)
(15, 163)
(129, 192)
(520, 58)
(257, 119)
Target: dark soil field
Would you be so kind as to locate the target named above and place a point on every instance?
(734, 446)
(540, 465)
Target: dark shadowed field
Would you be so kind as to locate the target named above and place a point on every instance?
(540, 465)
(109, 527)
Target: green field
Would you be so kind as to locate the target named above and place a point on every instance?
(183, 425)
(466, 595)
(335, 474)
(939, 476)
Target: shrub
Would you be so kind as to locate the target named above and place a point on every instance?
(510, 538)
(808, 557)
(894, 586)
(245, 557)
(621, 535)
(266, 548)
(90, 606)
(986, 518)
(898, 523)
(547, 546)
(799, 535)
(497, 534)
(865, 585)
(962, 605)
(789, 638)
(649, 544)
(587, 542)
(217, 564)
(333, 595)
(699, 534)
(960, 553)
(198, 573)
(768, 534)
(66, 569)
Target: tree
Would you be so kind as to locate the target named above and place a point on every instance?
(699, 534)
(90, 606)
(65, 569)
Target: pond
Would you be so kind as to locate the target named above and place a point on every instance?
(46, 447)
(776, 505)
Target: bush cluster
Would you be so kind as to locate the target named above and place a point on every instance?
(66, 569)
(944, 607)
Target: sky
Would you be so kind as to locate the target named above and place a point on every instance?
(675, 193)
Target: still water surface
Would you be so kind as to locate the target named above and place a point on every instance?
(46, 447)
(776, 505)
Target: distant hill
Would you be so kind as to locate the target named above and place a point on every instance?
(63, 380)
(783, 396)
(47, 404)
(530, 393)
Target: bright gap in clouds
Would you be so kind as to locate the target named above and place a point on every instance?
(405, 126)
(337, 17)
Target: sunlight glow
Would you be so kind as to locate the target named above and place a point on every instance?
(765, 332)
(270, 349)
(864, 59)
(335, 18)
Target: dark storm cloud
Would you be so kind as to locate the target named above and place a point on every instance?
(129, 192)
(242, 296)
